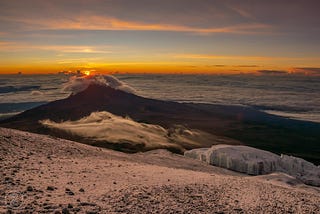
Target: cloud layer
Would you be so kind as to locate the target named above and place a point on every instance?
(106, 127)
(271, 72)
(77, 84)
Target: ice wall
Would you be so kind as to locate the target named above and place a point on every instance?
(254, 161)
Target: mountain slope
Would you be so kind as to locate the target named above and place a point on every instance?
(41, 174)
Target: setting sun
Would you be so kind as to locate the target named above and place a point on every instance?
(87, 73)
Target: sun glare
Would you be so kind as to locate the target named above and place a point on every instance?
(87, 73)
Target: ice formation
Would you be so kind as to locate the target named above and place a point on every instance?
(254, 161)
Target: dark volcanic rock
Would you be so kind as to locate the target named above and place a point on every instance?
(65, 211)
(51, 188)
(29, 188)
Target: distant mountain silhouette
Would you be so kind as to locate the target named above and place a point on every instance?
(251, 127)
(103, 98)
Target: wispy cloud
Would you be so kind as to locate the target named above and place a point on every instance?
(272, 72)
(115, 24)
(75, 49)
(16, 46)
(236, 57)
(246, 66)
(307, 70)
(106, 127)
(242, 12)
(236, 66)
(4, 44)
(78, 60)
(207, 56)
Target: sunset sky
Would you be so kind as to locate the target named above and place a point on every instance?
(163, 36)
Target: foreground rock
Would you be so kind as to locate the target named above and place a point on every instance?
(254, 161)
(114, 182)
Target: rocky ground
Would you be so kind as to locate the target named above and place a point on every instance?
(41, 174)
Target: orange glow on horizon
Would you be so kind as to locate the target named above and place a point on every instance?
(87, 73)
(88, 69)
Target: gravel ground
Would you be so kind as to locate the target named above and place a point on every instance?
(41, 174)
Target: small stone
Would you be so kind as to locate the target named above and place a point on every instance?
(87, 204)
(29, 188)
(48, 207)
(70, 193)
(81, 190)
(91, 212)
(50, 188)
(8, 180)
(65, 211)
(76, 209)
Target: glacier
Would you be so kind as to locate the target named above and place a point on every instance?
(252, 161)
